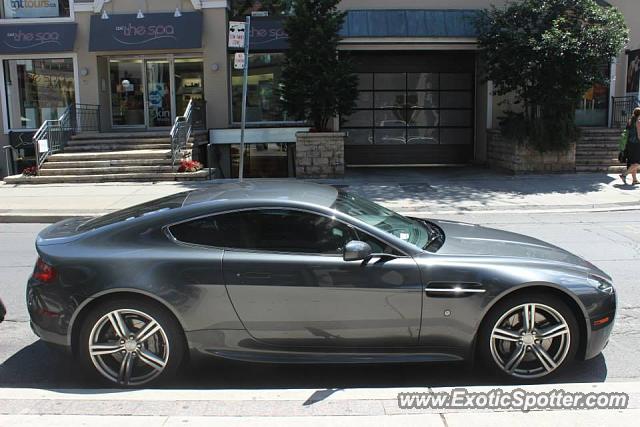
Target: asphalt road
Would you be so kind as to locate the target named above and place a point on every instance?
(609, 240)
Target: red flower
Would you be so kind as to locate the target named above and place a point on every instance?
(189, 166)
(30, 171)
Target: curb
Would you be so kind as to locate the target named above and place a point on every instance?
(48, 218)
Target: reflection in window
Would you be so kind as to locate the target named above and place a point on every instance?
(12, 9)
(240, 8)
(271, 230)
(263, 99)
(37, 90)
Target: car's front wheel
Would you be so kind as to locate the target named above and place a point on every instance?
(131, 343)
(529, 336)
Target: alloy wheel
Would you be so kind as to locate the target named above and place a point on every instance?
(530, 340)
(128, 347)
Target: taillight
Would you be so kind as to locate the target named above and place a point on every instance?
(43, 272)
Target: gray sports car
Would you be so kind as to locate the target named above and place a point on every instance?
(286, 271)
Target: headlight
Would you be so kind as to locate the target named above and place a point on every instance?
(600, 283)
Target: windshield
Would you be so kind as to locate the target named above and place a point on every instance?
(407, 229)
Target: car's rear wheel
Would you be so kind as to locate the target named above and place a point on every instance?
(131, 343)
(529, 336)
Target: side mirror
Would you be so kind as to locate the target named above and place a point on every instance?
(357, 251)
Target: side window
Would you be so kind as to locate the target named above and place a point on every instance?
(275, 230)
(377, 245)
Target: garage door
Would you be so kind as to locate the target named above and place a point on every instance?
(412, 117)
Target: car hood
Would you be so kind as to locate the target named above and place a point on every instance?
(470, 239)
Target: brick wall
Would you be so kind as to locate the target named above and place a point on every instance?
(511, 156)
(320, 155)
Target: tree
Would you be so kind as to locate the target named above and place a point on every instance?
(548, 53)
(317, 83)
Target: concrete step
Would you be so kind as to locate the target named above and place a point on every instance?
(601, 168)
(125, 177)
(120, 135)
(110, 155)
(106, 170)
(105, 163)
(598, 155)
(116, 147)
(595, 161)
(132, 141)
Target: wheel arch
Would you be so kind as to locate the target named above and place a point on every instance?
(86, 306)
(582, 318)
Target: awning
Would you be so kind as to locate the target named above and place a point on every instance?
(37, 38)
(409, 23)
(154, 31)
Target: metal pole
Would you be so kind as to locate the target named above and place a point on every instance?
(245, 83)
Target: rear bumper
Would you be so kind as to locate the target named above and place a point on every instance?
(3, 311)
(50, 308)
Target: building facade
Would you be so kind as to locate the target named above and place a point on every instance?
(422, 100)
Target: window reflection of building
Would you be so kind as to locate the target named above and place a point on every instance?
(263, 100)
(240, 8)
(12, 9)
(37, 90)
(593, 107)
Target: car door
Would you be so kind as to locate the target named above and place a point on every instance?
(290, 286)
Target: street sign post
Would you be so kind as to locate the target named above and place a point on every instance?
(239, 36)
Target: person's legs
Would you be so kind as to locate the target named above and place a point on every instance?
(633, 170)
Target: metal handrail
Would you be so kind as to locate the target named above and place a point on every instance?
(622, 108)
(56, 133)
(181, 132)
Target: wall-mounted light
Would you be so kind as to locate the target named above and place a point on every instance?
(140, 15)
(177, 13)
(84, 72)
(104, 14)
(215, 67)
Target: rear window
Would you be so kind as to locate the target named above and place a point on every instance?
(159, 205)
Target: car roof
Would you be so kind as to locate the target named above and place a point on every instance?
(265, 190)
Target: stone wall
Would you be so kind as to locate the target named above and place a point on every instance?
(320, 155)
(512, 156)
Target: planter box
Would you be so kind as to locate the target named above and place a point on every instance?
(320, 155)
(517, 158)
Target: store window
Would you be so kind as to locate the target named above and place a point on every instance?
(263, 99)
(21, 9)
(240, 8)
(37, 90)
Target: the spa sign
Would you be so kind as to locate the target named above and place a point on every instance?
(31, 8)
(37, 38)
(154, 31)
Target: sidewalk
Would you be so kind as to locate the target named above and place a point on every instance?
(283, 408)
(414, 191)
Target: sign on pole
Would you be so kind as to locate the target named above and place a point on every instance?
(238, 61)
(236, 34)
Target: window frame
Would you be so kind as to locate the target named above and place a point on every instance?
(357, 231)
(3, 93)
(53, 19)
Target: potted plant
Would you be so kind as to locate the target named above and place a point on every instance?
(318, 85)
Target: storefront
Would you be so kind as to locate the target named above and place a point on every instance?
(148, 87)
(38, 73)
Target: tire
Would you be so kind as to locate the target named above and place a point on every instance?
(148, 349)
(511, 349)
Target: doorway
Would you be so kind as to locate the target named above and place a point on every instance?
(149, 92)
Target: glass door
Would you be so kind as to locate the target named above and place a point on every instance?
(127, 92)
(159, 93)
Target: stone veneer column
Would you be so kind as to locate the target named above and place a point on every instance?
(320, 155)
